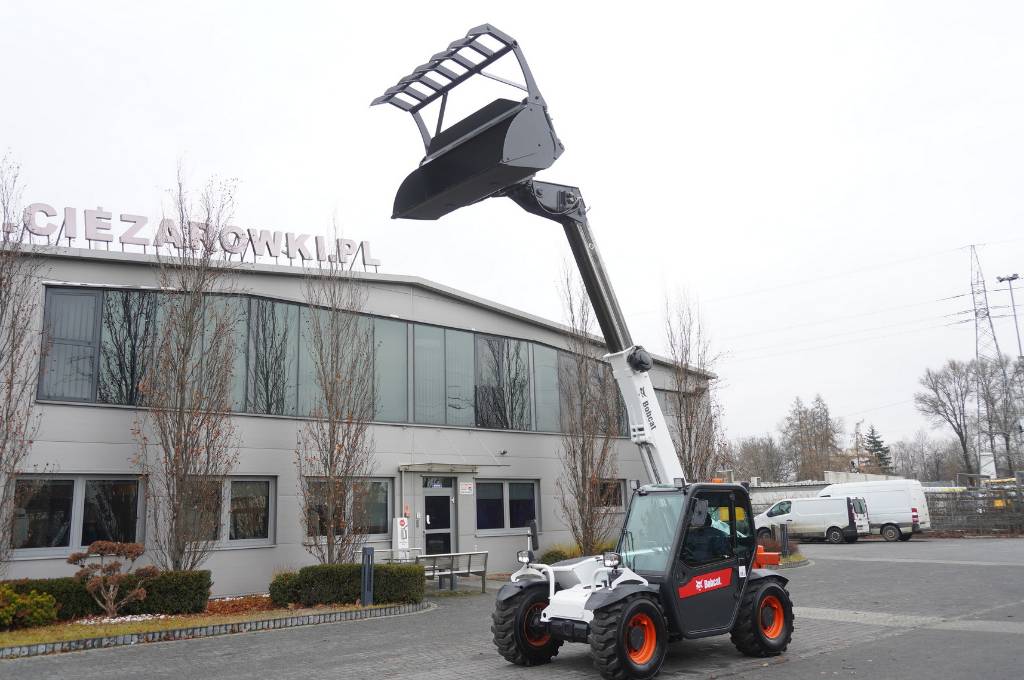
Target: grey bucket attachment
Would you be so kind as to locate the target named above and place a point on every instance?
(500, 145)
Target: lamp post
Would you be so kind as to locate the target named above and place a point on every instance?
(1013, 306)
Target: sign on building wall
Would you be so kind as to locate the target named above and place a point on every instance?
(100, 229)
(465, 488)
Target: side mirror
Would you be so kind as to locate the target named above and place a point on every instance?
(699, 514)
(534, 540)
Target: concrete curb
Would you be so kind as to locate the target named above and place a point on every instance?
(791, 565)
(211, 631)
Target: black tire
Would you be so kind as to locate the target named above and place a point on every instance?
(851, 539)
(756, 632)
(620, 642)
(891, 532)
(905, 536)
(834, 535)
(763, 534)
(514, 637)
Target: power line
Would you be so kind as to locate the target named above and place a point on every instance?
(844, 342)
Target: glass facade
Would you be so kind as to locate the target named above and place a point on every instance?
(103, 341)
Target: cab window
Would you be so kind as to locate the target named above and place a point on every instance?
(716, 529)
(780, 508)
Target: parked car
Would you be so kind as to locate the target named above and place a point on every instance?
(897, 508)
(833, 519)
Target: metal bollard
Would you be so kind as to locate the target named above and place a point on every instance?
(367, 573)
(784, 539)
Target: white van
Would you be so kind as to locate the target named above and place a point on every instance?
(833, 519)
(897, 508)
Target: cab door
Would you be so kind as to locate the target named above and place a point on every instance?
(708, 578)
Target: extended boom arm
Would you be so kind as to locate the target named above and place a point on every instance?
(630, 363)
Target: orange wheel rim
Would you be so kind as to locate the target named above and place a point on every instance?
(532, 615)
(772, 617)
(644, 651)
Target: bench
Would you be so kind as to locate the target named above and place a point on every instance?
(453, 565)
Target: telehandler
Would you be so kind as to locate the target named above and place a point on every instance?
(687, 564)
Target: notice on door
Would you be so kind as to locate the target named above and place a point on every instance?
(465, 488)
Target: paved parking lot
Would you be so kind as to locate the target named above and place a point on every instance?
(922, 609)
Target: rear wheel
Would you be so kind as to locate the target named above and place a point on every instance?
(905, 536)
(764, 623)
(518, 633)
(891, 532)
(628, 639)
(834, 535)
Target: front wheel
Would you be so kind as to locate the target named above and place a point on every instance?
(628, 639)
(519, 635)
(764, 623)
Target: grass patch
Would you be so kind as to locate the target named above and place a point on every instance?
(63, 632)
(793, 558)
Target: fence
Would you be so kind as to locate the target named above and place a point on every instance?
(981, 511)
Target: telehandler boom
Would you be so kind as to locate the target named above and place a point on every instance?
(687, 564)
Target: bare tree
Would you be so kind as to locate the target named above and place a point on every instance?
(945, 400)
(186, 437)
(761, 457)
(999, 420)
(334, 456)
(590, 423)
(810, 437)
(693, 411)
(21, 350)
(926, 458)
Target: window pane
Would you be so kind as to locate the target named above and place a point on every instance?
(545, 373)
(391, 363)
(490, 505)
(232, 310)
(709, 540)
(273, 357)
(375, 507)
(309, 393)
(611, 494)
(72, 328)
(459, 371)
(522, 507)
(42, 513)
(126, 347)
(111, 510)
(316, 504)
(201, 501)
(503, 383)
(250, 510)
(428, 374)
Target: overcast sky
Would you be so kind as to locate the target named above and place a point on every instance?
(809, 172)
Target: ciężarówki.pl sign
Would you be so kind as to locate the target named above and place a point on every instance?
(99, 227)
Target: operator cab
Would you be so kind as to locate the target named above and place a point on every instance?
(697, 543)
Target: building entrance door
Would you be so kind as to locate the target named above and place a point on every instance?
(438, 514)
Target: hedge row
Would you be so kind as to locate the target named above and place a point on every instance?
(342, 584)
(172, 592)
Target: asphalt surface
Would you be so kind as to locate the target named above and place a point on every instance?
(932, 609)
